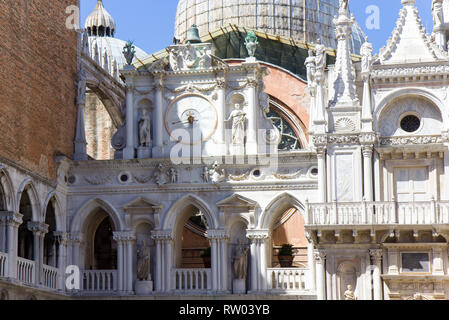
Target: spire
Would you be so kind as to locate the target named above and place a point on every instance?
(100, 23)
(344, 84)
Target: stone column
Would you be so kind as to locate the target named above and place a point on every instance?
(254, 263)
(263, 263)
(214, 263)
(12, 221)
(39, 230)
(158, 121)
(311, 262)
(168, 264)
(224, 264)
(158, 274)
(368, 172)
(61, 238)
(126, 240)
(321, 154)
(221, 110)
(376, 255)
(218, 240)
(320, 259)
(121, 264)
(3, 235)
(129, 151)
(251, 142)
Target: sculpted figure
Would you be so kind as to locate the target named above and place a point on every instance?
(320, 59)
(344, 5)
(367, 55)
(159, 176)
(241, 261)
(143, 263)
(238, 118)
(145, 129)
(437, 12)
(215, 174)
(311, 68)
(129, 51)
(173, 175)
(251, 43)
(349, 294)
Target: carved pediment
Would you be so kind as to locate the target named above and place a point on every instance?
(142, 204)
(237, 201)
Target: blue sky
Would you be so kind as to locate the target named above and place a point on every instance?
(150, 23)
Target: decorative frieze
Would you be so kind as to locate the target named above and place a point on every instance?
(411, 140)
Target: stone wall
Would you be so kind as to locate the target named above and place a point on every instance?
(38, 83)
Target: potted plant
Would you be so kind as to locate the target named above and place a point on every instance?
(205, 255)
(285, 255)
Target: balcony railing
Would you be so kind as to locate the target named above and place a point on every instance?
(3, 264)
(99, 280)
(192, 280)
(50, 277)
(378, 213)
(26, 270)
(286, 279)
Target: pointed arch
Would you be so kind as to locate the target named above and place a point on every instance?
(10, 198)
(88, 208)
(170, 219)
(278, 206)
(52, 196)
(28, 186)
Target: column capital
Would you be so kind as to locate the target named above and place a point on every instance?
(75, 237)
(255, 235)
(367, 151)
(124, 236)
(161, 235)
(37, 227)
(376, 254)
(218, 234)
(61, 236)
(319, 256)
(11, 218)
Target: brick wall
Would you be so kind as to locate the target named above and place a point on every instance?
(38, 72)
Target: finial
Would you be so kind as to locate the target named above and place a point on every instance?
(129, 50)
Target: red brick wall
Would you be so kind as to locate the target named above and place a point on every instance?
(38, 72)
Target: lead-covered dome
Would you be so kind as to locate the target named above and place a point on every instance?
(296, 19)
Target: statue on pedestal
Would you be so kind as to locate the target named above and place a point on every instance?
(129, 51)
(437, 12)
(143, 263)
(238, 118)
(241, 261)
(145, 129)
(367, 56)
(310, 64)
(251, 43)
(349, 294)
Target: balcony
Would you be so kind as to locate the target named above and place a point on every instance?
(287, 280)
(378, 213)
(192, 280)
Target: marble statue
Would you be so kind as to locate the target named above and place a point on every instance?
(216, 174)
(173, 173)
(159, 176)
(349, 294)
(344, 5)
(241, 261)
(367, 55)
(251, 43)
(145, 129)
(238, 118)
(311, 68)
(143, 263)
(437, 12)
(320, 57)
(129, 51)
(205, 174)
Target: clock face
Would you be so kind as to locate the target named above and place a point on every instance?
(195, 115)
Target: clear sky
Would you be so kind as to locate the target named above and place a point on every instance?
(150, 23)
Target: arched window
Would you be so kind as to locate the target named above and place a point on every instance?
(50, 243)
(105, 248)
(25, 241)
(2, 198)
(289, 133)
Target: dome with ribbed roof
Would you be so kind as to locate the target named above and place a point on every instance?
(297, 19)
(100, 22)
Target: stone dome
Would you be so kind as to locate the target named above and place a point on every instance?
(106, 50)
(286, 18)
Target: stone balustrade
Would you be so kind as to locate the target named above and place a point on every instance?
(26, 270)
(3, 264)
(286, 279)
(192, 280)
(50, 277)
(378, 213)
(98, 281)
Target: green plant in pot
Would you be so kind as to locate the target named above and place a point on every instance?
(205, 255)
(285, 255)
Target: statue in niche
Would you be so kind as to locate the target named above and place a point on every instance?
(144, 262)
(349, 294)
(145, 129)
(367, 55)
(437, 12)
(241, 261)
(129, 50)
(251, 43)
(238, 118)
(311, 68)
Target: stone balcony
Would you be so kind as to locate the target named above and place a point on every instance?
(364, 213)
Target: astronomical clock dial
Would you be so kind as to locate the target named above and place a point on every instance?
(194, 114)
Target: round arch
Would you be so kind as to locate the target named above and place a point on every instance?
(399, 93)
(278, 206)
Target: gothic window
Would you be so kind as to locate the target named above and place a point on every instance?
(25, 241)
(105, 249)
(2, 199)
(289, 136)
(50, 243)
